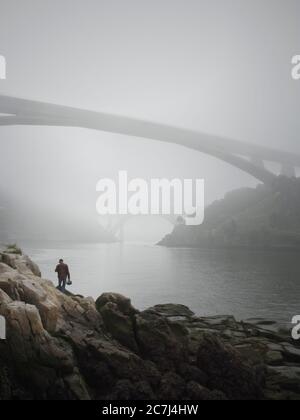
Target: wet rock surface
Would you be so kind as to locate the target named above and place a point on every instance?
(68, 347)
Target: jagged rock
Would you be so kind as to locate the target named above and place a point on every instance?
(10, 389)
(291, 353)
(66, 347)
(285, 378)
(143, 391)
(160, 340)
(123, 391)
(117, 314)
(172, 387)
(32, 266)
(274, 358)
(21, 263)
(226, 370)
(172, 311)
(28, 289)
(126, 390)
(253, 353)
(123, 303)
(192, 373)
(195, 391)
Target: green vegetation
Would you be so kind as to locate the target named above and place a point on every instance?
(261, 217)
(13, 249)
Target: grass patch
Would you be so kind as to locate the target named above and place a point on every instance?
(13, 249)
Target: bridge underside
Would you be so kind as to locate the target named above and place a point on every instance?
(247, 157)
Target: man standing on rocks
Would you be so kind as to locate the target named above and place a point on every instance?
(63, 274)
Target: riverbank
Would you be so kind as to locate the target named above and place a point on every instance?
(70, 347)
(265, 217)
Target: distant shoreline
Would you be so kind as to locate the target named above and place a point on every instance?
(236, 247)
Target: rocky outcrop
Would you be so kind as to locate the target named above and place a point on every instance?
(69, 347)
(267, 217)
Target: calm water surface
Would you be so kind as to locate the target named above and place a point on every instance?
(245, 284)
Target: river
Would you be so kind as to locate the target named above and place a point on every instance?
(237, 282)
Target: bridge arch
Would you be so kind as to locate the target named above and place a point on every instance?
(239, 154)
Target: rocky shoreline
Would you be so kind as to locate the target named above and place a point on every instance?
(65, 347)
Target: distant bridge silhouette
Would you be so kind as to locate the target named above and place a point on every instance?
(248, 157)
(117, 229)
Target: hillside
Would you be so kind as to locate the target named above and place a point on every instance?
(265, 216)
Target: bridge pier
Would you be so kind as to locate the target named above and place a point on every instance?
(121, 234)
(288, 170)
(256, 161)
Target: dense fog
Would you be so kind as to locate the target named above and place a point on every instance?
(219, 67)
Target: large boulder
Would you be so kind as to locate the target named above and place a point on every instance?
(122, 303)
(20, 262)
(37, 356)
(29, 289)
(118, 317)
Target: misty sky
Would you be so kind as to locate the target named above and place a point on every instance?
(218, 66)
